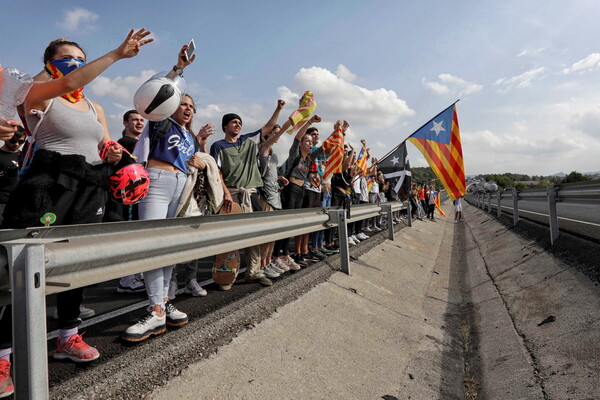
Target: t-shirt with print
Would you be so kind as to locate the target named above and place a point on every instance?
(175, 147)
(319, 163)
(238, 161)
(297, 166)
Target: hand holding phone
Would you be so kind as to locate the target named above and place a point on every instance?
(190, 50)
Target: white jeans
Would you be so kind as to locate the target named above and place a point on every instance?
(161, 202)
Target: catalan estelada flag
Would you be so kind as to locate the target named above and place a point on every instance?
(439, 141)
(334, 148)
(361, 160)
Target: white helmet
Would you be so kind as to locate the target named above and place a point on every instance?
(158, 98)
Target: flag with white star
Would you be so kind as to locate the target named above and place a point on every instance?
(396, 169)
(439, 141)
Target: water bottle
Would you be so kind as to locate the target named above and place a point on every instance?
(14, 85)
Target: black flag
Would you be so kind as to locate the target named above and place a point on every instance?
(396, 169)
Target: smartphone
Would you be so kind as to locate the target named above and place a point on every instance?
(190, 51)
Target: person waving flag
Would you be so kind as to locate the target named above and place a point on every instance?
(439, 141)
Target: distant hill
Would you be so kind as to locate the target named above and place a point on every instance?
(559, 175)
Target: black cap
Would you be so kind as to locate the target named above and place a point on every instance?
(227, 118)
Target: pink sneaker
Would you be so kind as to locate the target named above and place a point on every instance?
(75, 349)
(6, 384)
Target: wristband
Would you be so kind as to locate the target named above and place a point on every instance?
(179, 71)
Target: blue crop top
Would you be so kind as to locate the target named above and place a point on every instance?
(175, 147)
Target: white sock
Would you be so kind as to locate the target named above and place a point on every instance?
(65, 334)
(5, 353)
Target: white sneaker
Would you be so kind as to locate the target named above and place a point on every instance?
(270, 273)
(351, 242)
(367, 229)
(362, 236)
(281, 264)
(147, 326)
(354, 238)
(275, 267)
(194, 288)
(377, 229)
(292, 264)
(174, 316)
(173, 287)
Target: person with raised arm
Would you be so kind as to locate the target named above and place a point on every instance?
(168, 146)
(66, 181)
(236, 156)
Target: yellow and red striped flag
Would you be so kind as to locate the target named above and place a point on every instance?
(334, 148)
(307, 106)
(439, 141)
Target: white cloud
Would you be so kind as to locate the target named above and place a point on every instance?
(450, 84)
(121, 88)
(79, 19)
(343, 72)
(532, 52)
(520, 81)
(436, 87)
(587, 64)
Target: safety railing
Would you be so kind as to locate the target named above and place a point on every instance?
(48, 260)
(579, 203)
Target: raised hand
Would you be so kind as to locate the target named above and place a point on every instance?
(338, 125)
(280, 104)
(133, 42)
(315, 119)
(345, 126)
(182, 59)
(206, 131)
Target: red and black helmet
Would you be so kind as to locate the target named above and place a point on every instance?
(130, 184)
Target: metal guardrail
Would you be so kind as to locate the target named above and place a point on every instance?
(42, 261)
(573, 195)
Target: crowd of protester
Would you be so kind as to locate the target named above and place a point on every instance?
(67, 175)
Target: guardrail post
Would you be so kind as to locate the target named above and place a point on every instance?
(515, 196)
(387, 208)
(499, 210)
(30, 352)
(408, 214)
(552, 215)
(489, 201)
(339, 217)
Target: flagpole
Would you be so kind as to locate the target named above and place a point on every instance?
(438, 114)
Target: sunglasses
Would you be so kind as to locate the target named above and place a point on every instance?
(17, 141)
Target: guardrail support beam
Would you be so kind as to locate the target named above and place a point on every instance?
(499, 210)
(489, 201)
(409, 214)
(515, 196)
(387, 208)
(30, 352)
(339, 217)
(552, 215)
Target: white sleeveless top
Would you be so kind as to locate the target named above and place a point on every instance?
(68, 131)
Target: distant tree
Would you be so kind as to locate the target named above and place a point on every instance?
(575, 176)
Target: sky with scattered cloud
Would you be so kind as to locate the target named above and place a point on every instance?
(526, 73)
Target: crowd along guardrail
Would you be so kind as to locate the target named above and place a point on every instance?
(48, 260)
(580, 203)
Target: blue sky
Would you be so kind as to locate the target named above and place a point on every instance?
(526, 72)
